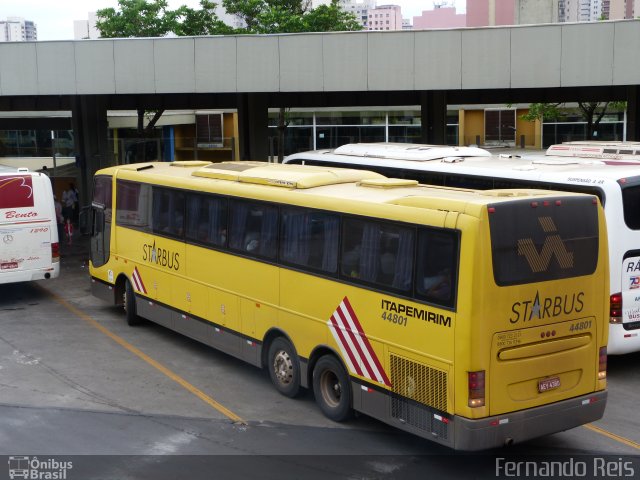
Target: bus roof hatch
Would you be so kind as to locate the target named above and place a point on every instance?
(288, 176)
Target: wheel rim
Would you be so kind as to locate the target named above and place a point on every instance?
(283, 367)
(124, 298)
(330, 388)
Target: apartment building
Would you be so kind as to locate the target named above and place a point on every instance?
(360, 9)
(385, 17)
(619, 9)
(17, 29)
(580, 10)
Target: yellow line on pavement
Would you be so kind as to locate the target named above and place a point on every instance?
(143, 356)
(613, 436)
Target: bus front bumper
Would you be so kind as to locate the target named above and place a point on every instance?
(516, 427)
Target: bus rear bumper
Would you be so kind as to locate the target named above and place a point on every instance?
(48, 273)
(516, 427)
(622, 341)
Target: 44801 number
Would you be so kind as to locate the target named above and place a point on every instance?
(579, 326)
(395, 318)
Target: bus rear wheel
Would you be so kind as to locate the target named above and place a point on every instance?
(130, 305)
(332, 389)
(284, 368)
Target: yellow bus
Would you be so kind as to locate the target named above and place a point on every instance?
(472, 318)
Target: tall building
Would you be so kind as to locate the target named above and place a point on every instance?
(484, 13)
(580, 10)
(481, 13)
(443, 15)
(619, 9)
(86, 29)
(17, 29)
(528, 12)
(385, 17)
(360, 10)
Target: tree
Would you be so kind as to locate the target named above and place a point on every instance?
(289, 16)
(152, 18)
(142, 18)
(592, 112)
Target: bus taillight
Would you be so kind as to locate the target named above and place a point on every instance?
(55, 252)
(476, 388)
(615, 308)
(602, 364)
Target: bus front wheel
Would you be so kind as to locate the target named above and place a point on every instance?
(284, 368)
(332, 388)
(130, 305)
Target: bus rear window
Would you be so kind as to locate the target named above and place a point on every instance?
(546, 239)
(631, 201)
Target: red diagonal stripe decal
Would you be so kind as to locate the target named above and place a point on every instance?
(345, 345)
(366, 341)
(356, 344)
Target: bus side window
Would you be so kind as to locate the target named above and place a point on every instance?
(310, 239)
(207, 220)
(351, 248)
(254, 228)
(377, 253)
(437, 266)
(168, 212)
(132, 209)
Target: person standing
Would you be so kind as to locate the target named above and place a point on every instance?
(69, 200)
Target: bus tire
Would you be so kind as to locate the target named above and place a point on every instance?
(284, 368)
(130, 305)
(332, 388)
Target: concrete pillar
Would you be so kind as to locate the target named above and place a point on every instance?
(633, 113)
(90, 127)
(253, 118)
(434, 117)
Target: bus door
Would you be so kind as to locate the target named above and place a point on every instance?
(101, 209)
(547, 301)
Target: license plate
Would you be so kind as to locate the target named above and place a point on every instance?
(8, 265)
(548, 384)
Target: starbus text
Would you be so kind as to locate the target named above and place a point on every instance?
(160, 256)
(548, 307)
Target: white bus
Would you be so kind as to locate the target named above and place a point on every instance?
(599, 150)
(29, 248)
(615, 180)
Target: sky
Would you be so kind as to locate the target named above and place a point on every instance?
(54, 20)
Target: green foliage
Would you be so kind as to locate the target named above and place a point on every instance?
(591, 112)
(330, 18)
(290, 16)
(202, 22)
(153, 18)
(542, 111)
